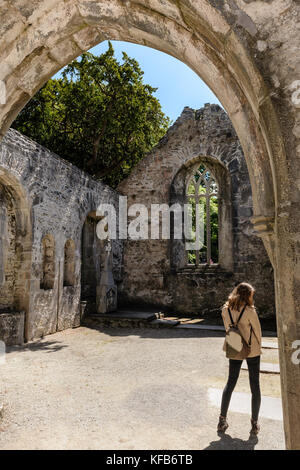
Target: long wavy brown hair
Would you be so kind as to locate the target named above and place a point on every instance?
(241, 295)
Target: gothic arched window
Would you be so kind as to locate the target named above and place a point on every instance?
(202, 193)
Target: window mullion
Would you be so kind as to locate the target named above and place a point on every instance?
(208, 229)
(203, 188)
(197, 227)
(186, 251)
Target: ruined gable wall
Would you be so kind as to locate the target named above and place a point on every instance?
(148, 275)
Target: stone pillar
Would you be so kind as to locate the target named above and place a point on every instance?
(283, 247)
(106, 300)
(287, 285)
(3, 243)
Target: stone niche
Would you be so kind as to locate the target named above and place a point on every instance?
(8, 258)
(154, 271)
(11, 321)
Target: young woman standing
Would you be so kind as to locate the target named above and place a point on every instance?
(241, 299)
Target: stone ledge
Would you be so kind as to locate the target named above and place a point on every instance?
(123, 319)
(108, 321)
(164, 323)
(12, 328)
(140, 319)
(94, 322)
(202, 271)
(124, 315)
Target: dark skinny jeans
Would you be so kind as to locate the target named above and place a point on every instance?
(234, 372)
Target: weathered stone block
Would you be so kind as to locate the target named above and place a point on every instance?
(97, 13)
(12, 328)
(65, 51)
(88, 37)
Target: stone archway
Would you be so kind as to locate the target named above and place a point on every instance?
(91, 252)
(240, 50)
(15, 248)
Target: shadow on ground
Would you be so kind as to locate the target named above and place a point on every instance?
(38, 345)
(226, 442)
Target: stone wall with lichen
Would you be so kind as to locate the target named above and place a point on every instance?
(59, 198)
(8, 262)
(149, 276)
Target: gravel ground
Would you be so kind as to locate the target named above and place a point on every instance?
(125, 389)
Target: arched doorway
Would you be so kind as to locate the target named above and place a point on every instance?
(220, 43)
(15, 260)
(91, 253)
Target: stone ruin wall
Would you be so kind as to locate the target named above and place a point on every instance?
(8, 261)
(59, 199)
(148, 275)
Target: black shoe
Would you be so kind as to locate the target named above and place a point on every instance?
(222, 425)
(255, 427)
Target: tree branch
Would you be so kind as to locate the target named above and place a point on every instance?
(116, 165)
(96, 143)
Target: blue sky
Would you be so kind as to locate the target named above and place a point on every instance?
(178, 86)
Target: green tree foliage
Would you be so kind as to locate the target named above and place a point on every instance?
(99, 115)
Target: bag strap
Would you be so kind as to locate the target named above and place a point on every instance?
(249, 344)
(231, 319)
(240, 315)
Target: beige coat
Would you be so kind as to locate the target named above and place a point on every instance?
(249, 318)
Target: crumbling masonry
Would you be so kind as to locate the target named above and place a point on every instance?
(155, 272)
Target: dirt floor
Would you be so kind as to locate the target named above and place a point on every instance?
(126, 389)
